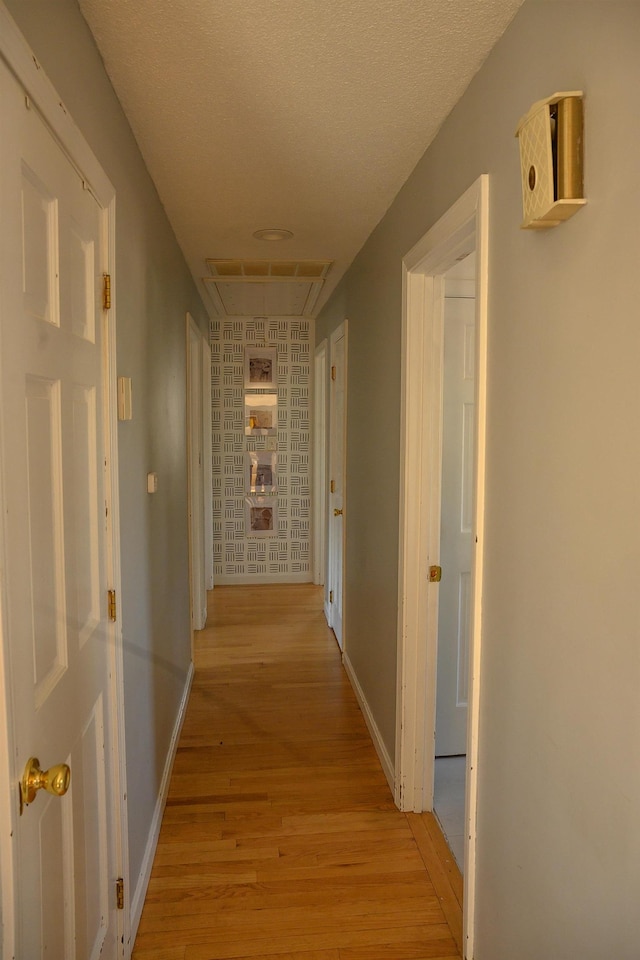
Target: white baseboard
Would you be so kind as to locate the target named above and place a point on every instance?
(327, 614)
(222, 580)
(381, 750)
(140, 892)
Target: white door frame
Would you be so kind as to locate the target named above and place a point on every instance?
(16, 53)
(463, 228)
(196, 474)
(208, 463)
(320, 463)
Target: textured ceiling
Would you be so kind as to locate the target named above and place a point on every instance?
(302, 114)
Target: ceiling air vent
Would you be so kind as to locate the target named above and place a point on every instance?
(270, 288)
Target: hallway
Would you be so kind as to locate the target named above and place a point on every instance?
(280, 838)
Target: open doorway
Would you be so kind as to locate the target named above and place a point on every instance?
(461, 231)
(456, 551)
(198, 471)
(337, 447)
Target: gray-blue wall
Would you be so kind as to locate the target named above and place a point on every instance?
(559, 769)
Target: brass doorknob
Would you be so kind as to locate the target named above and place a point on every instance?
(55, 780)
(337, 513)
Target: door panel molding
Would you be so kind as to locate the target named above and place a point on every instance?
(462, 229)
(16, 53)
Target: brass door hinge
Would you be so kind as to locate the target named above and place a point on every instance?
(330, 596)
(120, 893)
(113, 609)
(333, 486)
(333, 373)
(435, 574)
(106, 291)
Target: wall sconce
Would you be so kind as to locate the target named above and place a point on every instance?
(551, 160)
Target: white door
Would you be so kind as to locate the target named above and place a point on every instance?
(337, 422)
(55, 627)
(456, 524)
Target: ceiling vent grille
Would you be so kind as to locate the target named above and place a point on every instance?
(280, 288)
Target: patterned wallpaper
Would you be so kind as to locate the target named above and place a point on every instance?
(284, 553)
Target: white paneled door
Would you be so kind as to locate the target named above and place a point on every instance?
(55, 624)
(456, 525)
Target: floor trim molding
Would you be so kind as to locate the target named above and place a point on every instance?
(441, 866)
(381, 750)
(140, 892)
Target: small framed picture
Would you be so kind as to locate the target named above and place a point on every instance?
(260, 368)
(261, 471)
(261, 517)
(260, 414)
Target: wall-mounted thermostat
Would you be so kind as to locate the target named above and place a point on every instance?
(551, 160)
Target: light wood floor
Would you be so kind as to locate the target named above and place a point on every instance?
(280, 837)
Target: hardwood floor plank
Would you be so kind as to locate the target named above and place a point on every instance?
(343, 820)
(191, 831)
(373, 939)
(207, 872)
(233, 921)
(436, 950)
(445, 856)
(215, 799)
(214, 813)
(280, 838)
(306, 955)
(171, 953)
(163, 891)
(439, 875)
(214, 852)
(269, 870)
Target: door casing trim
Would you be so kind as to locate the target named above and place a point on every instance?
(463, 228)
(320, 463)
(196, 480)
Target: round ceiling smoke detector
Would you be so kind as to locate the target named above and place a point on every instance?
(273, 233)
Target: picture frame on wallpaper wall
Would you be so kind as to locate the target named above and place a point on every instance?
(261, 517)
(260, 368)
(260, 414)
(261, 467)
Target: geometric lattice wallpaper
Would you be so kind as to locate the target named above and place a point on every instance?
(284, 556)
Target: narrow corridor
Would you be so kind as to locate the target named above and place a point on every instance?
(280, 837)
